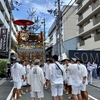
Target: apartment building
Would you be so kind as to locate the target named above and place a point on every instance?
(5, 10)
(89, 24)
(68, 32)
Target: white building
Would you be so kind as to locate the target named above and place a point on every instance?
(5, 22)
(89, 24)
(68, 32)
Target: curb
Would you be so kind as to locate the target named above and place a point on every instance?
(94, 86)
(2, 81)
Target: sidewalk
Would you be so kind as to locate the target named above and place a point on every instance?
(96, 83)
(5, 88)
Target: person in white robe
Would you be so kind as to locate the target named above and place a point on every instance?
(23, 62)
(56, 77)
(84, 75)
(75, 80)
(17, 75)
(90, 70)
(28, 68)
(67, 63)
(46, 72)
(37, 81)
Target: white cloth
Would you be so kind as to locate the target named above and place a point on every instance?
(17, 85)
(17, 72)
(76, 90)
(67, 74)
(36, 79)
(55, 74)
(28, 69)
(24, 75)
(46, 70)
(37, 94)
(75, 75)
(90, 69)
(84, 72)
(57, 90)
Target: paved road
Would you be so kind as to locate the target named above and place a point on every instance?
(93, 92)
(6, 87)
(47, 95)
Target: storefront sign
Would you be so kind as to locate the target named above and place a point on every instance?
(85, 55)
(3, 39)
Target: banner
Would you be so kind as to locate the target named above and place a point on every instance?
(85, 55)
(3, 39)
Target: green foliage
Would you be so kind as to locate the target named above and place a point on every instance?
(3, 67)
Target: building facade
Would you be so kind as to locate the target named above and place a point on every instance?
(5, 19)
(89, 24)
(68, 32)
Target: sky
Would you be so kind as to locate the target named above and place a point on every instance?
(41, 7)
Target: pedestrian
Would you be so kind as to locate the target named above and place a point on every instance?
(67, 87)
(28, 68)
(37, 81)
(56, 78)
(17, 75)
(8, 70)
(90, 69)
(94, 72)
(74, 79)
(46, 71)
(23, 63)
(83, 76)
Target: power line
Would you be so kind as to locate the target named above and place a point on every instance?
(67, 5)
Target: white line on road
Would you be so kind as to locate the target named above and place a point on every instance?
(10, 95)
(2, 81)
(93, 97)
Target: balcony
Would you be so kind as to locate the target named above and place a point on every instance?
(80, 17)
(13, 27)
(85, 16)
(96, 4)
(6, 10)
(83, 5)
(88, 26)
(78, 1)
(81, 30)
(87, 45)
(97, 37)
(96, 20)
(3, 20)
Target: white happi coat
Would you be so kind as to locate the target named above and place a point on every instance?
(46, 70)
(75, 73)
(17, 72)
(55, 75)
(36, 79)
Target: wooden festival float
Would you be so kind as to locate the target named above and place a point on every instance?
(30, 46)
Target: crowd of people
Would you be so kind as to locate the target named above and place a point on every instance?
(69, 75)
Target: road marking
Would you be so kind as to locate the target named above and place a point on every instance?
(10, 95)
(93, 97)
(2, 81)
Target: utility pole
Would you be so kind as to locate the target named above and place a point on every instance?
(59, 20)
(44, 40)
(58, 14)
(9, 48)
